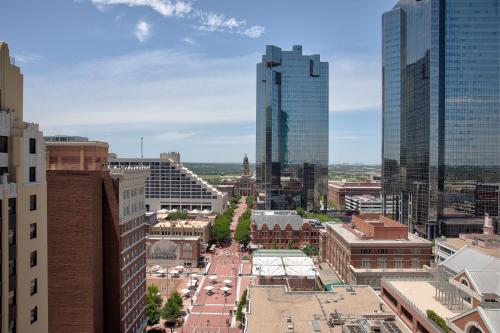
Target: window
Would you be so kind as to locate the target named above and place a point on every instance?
(34, 314)
(32, 230)
(12, 267)
(32, 146)
(4, 144)
(12, 297)
(415, 262)
(398, 263)
(33, 202)
(415, 251)
(12, 237)
(381, 263)
(33, 259)
(32, 174)
(365, 263)
(34, 287)
(365, 251)
(382, 251)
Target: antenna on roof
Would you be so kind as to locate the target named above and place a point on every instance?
(142, 147)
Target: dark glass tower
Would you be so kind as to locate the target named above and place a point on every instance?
(441, 111)
(292, 128)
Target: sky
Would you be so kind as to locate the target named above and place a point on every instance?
(181, 74)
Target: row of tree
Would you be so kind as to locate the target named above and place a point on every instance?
(222, 224)
(242, 232)
(171, 311)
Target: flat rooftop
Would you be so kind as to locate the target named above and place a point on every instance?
(422, 294)
(181, 224)
(352, 239)
(270, 306)
(457, 244)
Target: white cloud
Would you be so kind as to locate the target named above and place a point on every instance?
(30, 58)
(174, 136)
(255, 31)
(142, 31)
(188, 40)
(156, 88)
(164, 7)
(207, 21)
(355, 83)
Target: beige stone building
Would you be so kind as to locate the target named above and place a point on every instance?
(183, 228)
(23, 209)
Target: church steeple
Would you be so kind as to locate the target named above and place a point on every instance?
(245, 170)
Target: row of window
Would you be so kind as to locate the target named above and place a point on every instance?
(4, 145)
(386, 251)
(382, 263)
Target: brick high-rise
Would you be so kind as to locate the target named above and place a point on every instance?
(97, 242)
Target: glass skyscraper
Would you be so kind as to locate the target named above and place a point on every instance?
(292, 128)
(441, 112)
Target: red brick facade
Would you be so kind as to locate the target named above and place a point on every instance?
(337, 191)
(267, 235)
(346, 248)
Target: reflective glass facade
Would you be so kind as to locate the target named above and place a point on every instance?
(292, 128)
(441, 110)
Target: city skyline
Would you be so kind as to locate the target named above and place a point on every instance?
(124, 66)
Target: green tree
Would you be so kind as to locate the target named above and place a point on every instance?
(274, 245)
(177, 299)
(290, 244)
(301, 212)
(250, 201)
(241, 304)
(153, 312)
(153, 304)
(171, 310)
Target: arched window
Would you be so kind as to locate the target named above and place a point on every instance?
(474, 329)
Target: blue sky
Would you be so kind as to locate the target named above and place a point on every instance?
(182, 73)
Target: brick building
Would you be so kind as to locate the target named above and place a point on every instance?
(96, 254)
(371, 247)
(464, 291)
(280, 227)
(172, 251)
(338, 190)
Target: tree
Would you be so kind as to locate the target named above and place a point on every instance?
(274, 245)
(301, 211)
(249, 201)
(241, 304)
(171, 310)
(153, 312)
(290, 244)
(180, 215)
(153, 304)
(177, 299)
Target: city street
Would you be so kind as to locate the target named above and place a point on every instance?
(213, 310)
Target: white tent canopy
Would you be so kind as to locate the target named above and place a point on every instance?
(307, 271)
(268, 270)
(267, 261)
(209, 288)
(226, 281)
(212, 278)
(297, 261)
(225, 288)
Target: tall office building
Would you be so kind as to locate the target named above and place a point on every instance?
(97, 243)
(292, 128)
(23, 209)
(441, 111)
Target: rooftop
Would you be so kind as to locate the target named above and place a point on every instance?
(492, 241)
(351, 238)
(471, 259)
(271, 218)
(181, 224)
(421, 293)
(273, 309)
(357, 185)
